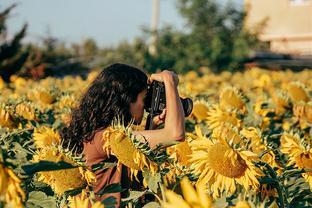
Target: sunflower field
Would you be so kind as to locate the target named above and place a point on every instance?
(248, 144)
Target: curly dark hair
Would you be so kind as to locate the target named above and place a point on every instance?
(108, 96)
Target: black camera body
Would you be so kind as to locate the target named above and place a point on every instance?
(155, 102)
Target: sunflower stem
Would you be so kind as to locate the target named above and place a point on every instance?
(162, 191)
(157, 197)
(92, 196)
(278, 187)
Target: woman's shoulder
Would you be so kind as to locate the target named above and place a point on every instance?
(94, 147)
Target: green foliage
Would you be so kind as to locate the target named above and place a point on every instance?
(130, 53)
(54, 58)
(38, 199)
(111, 188)
(12, 57)
(46, 166)
(215, 37)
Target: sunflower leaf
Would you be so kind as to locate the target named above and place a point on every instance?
(103, 166)
(134, 195)
(109, 202)
(74, 192)
(111, 188)
(267, 180)
(40, 199)
(151, 205)
(152, 180)
(44, 165)
(293, 172)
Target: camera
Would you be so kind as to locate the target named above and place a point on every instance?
(155, 102)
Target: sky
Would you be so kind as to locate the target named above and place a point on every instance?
(106, 21)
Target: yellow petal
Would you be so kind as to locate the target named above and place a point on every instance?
(189, 192)
(175, 199)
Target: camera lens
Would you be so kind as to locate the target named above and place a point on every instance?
(187, 104)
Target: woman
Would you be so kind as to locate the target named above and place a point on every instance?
(119, 90)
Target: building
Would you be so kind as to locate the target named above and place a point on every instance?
(288, 26)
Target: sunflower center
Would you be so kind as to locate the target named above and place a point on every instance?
(232, 166)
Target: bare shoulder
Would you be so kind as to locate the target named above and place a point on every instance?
(95, 146)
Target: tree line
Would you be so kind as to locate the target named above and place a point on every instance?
(214, 35)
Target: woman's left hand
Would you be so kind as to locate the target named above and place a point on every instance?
(159, 119)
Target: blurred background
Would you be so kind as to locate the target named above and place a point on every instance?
(40, 38)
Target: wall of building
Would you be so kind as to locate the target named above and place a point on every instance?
(288, 23)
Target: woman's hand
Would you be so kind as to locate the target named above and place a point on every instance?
(174, 125)
(159, 119)
(164, 76)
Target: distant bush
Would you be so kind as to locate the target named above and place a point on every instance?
(12, 57)
(215, 36)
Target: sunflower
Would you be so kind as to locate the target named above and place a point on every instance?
(299, 152)
(198, 87)
(254, 135)
(45, 136)
(119, 141)
(174, 172)
(180, 153)
(228, 132)
(10, 190)
(261, 108)
(26, 111)
(60, 180)
(222, 167)
(200, 110)
(298, 92)
(6, 119)
(19, 82)
(263, 81)
(259, 146)
(303, 112)
(230, 97)
(92, 75)
(217, 116)
(281, 101)
(44, 97)
(198, 134)
(2, 84)
(66, 118)
(308, 112)
(83, 201)
(67, 101)
(192, 198)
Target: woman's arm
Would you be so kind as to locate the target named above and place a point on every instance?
(174, 129)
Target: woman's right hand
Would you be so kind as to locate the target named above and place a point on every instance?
(164, 76)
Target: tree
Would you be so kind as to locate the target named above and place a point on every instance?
(215, 37)
(218, 32)
(89, 47)
(12, 56)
